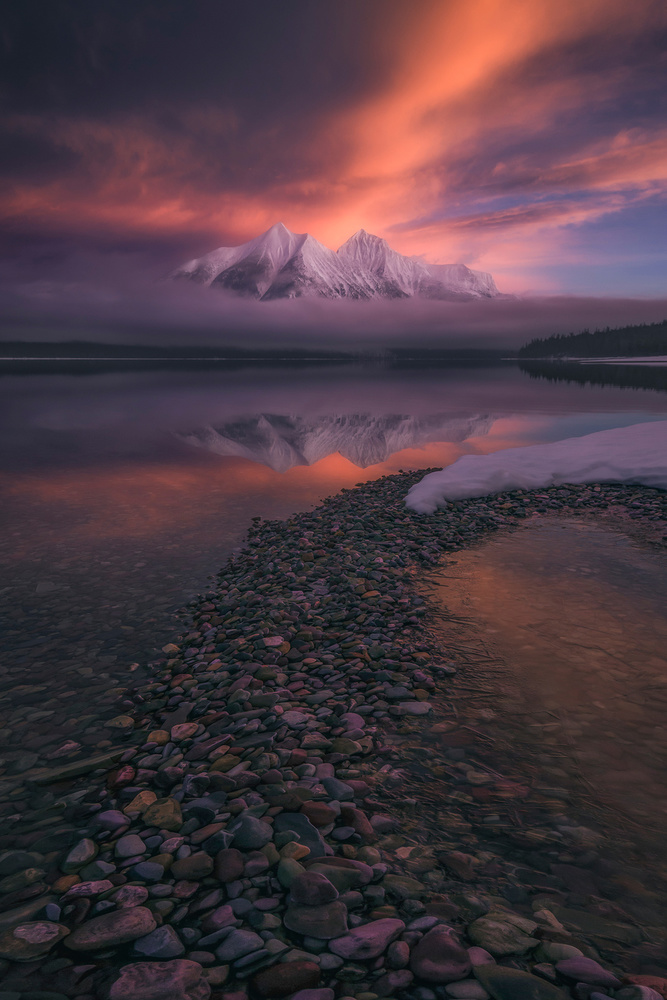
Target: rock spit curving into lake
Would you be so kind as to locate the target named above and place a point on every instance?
(252, 832)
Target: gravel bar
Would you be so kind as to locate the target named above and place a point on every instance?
(242, 837)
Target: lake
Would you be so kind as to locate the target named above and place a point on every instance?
(124, 488)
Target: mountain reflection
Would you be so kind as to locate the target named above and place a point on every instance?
(282, 442)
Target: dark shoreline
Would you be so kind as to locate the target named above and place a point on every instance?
(336, 587)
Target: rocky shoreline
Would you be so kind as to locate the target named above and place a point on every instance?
(254, 831)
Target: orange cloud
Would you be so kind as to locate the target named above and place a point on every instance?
(419, 160)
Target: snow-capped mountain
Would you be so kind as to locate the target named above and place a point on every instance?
(281, 442)
(280, 264)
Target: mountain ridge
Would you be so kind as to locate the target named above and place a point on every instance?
(283, 441)
(280, 264)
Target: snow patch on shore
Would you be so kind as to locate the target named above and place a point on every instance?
(635, 454)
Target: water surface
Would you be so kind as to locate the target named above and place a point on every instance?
(122, 491)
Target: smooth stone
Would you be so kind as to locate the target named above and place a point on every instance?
(163, 942)
(480, 956)
(165, 814)
(414, 707)
(343, 877)
(513, 984)
(285, 978)
(192, 868)
(250, 833)
(503, 933)
(294, 719)
(148, 871)
(369, 940)
(401, 887)
(183, 731)
(440, 958)
(129, 846)
(17, 861)
(313, 889)
(555, 951)
(110, 819)
(321, 994)
(228, 865)
(586, 970)
(130, 895)
(338, 790)
(29, 941)
(392, 982)
(319, 813)
(179, 979)
(237, 944)
(637, 993)
(112, 928)
(307, 834)
(468, 989)
(323, 922)
(81, 854)
(222, 916)
(398, 954)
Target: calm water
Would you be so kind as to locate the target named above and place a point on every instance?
(563, 625)
(123, 490)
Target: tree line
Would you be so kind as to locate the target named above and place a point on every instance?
(645, 339)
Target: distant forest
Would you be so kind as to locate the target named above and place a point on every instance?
(625, 341)
(636, 376)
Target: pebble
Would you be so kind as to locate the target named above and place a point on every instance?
(246, 817)
(179, 979)
(369, 940)
(111, 929)
(440, 958)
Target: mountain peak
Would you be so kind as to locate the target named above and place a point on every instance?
(283, 264)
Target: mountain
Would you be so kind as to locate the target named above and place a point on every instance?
(280, 264)
(281, 442)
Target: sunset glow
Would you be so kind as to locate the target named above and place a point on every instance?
(526, 139)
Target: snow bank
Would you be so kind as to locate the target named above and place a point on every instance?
(636, 454)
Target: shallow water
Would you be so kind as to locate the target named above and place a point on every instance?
(562, 632)
(122, 491)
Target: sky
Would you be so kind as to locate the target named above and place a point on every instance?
(527, 138)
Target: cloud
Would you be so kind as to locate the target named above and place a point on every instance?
(72, 301)
(472, 130)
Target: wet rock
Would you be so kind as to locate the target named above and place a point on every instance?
(369, 940)
(175, 980)
(228, 865)
(503, 933)
(195, 867)
(513, 984)
(392, 982)
(319, 813)
(323, 922)
(29, 941)
(467, 989)
(129, 846)
(165, 814)
(237, 944)
(312, 888)
(80, 855)
(250, 833)
(307, 834)
(163, 942)
(439, 957)
(398, 954)
(283, 979)
(111, 929)
(586, 970)
(317, 994)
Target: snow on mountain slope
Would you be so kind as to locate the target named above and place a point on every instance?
(280, 264)
(281, 442)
